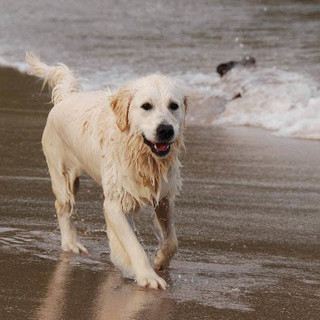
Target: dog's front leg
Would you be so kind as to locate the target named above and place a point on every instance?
(164, 223)
(129, 244)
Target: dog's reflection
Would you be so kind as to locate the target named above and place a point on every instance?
(54, 303)
(115, 298)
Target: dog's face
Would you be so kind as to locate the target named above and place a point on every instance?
(155, 109)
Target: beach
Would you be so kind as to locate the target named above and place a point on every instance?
(247, 222)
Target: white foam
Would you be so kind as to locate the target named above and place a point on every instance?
(286, 103)
(207, 99)
(106, 80)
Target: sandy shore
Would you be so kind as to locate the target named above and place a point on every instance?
(248, 225)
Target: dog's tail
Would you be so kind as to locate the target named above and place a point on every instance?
(59, 78)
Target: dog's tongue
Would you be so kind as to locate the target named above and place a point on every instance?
(161, 146)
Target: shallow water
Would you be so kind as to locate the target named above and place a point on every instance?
(111, 42)
(247, 221)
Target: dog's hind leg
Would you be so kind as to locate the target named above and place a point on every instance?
(164, 223)
(65, 184)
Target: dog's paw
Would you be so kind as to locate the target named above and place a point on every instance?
(151, 280)
(164, 255)
(161, 260)
(75, 247)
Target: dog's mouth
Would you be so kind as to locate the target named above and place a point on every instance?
(161, 149)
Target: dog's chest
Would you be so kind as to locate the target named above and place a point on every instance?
(147, 189)
(136, 184)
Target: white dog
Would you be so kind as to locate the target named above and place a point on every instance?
(129, 143)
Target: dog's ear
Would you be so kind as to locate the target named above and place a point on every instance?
(186, 102)
(120, 104)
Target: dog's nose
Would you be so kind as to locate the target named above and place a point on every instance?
(165, 132)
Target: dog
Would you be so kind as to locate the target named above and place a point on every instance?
(129, 142)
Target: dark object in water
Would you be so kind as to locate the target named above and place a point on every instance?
(224, 68)
(237, 96)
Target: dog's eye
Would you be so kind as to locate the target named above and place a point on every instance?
(173, 106)
(146, 106)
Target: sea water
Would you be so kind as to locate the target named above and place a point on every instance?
(111, 42)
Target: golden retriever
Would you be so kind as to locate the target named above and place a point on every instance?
(128, 142)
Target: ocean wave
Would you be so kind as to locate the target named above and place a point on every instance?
(286, 103)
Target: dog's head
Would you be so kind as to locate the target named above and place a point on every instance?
(153, 107)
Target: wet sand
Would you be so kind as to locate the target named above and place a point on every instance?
(247, 219)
